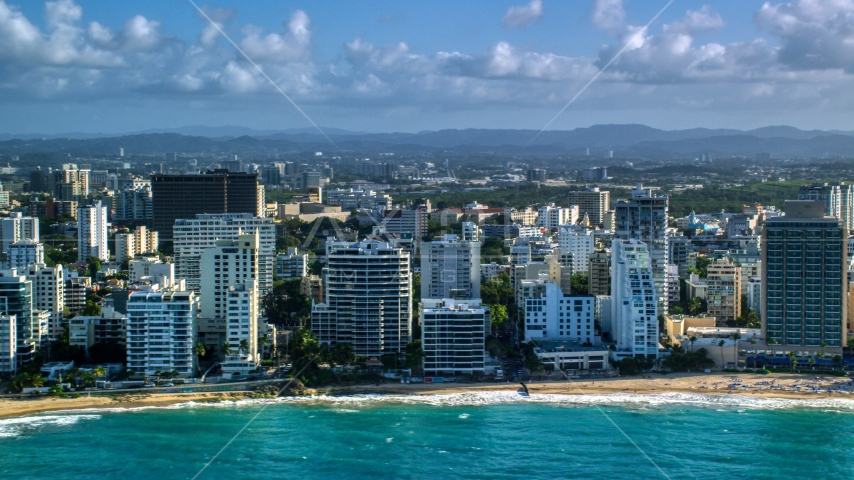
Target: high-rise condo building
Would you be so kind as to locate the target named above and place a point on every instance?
(634, 308)
(241, 324)
(291, 265)
(591, 202)
(15, 228)
(220, 191)
(92, 232)
(804, 270)
(644, 218)
(49, 294)
(450, 268)
(577, 241)
(368, 298)
(838, 198)
(8, 345)
(24, 253)
(134, 204)
(16, 298)
(138, 242)
(69, 182)
(453, 336)
(161, 330)
(192, 236)
(599, 274)
(723, 293)
(229, 262)
(552, 217)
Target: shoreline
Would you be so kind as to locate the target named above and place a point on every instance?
(699, 384)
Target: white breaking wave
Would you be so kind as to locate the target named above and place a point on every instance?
(13, 427)
(348, 403)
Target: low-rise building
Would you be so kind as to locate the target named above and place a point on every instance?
(676, 326)
(571, 358)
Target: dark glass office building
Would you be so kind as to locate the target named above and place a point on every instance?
(185, 196)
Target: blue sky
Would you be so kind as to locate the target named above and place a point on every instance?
(120, 66)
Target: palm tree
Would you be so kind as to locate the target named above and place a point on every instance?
(199, 350)
(793, 360)
(226, 348)
(812, 363)
(243, 347)
(264, 341)
(721, 345)
(694, 305)
(37, 380)
(736, 336)
(692, 339)
(88, 378)
(99, 372)
(837, 359)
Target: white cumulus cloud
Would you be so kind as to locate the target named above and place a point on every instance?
(608, 14)
(522, 15)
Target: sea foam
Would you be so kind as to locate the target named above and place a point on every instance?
(349, 403)
(13, 427)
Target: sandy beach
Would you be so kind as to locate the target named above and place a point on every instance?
(706, 384)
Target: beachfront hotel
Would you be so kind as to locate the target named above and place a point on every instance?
(804, 268)
(634, 309)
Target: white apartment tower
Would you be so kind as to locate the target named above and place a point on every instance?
(140, 241)
(16, 228)
(368, 298)
(49, 294)
(450, 268)
(634, 308)
(644, 218)
(24, 253)
(550, 314)
(552, 217)
(195, 235)
(241, 322)
(229, 263)
(92, 232)
(291, 265)
(161, 331)
(578, 241)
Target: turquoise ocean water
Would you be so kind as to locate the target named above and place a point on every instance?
(488, 436)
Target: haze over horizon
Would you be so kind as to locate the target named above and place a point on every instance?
(121, 67)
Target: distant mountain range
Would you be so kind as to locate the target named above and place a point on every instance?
(625, 140)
